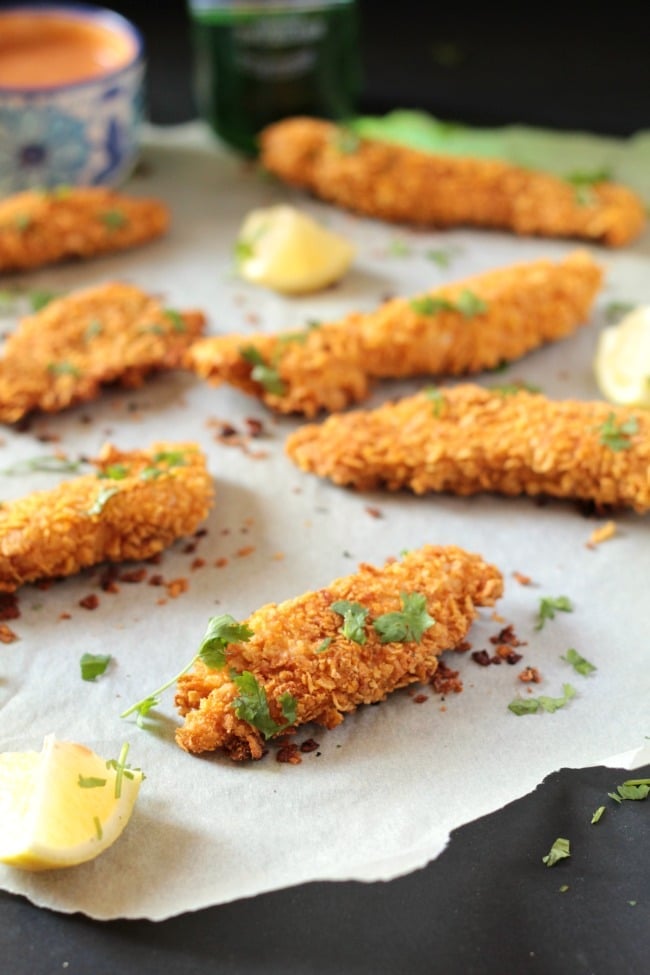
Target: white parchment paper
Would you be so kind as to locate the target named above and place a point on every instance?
(381, 794)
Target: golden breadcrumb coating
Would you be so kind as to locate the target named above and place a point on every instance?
(63, 354)
(467, 439)
(298, 648)
(494, 317)
(136, 504)
(40, 227)
(396, 183)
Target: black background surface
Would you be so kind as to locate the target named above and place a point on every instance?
(487, 905)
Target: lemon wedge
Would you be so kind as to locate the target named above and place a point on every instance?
(63, 805)
(622, 362)
(285, 250)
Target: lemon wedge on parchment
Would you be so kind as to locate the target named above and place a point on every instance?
(283, 249)
(622, 362)
(63, 805)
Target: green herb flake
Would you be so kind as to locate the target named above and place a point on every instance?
(398, 248)
(511, 389)
(524, 705)
(579, 663)
(220, 633)
(93, 665)
(63, 369)
(597, 816)
(99, 833)
(262, 372)
(354, 619)
(549, 606)
(345, 140)
(90, 782)
(406, 625)
(440, 257)
(48, 464)
(243, 250)
(615, 310)
(172, 458)
(39, 298)
(563, 889)
(22, 222)
(429, 305)
(93, 329)
(113, 219)
(114, 472)
(634, 790)
(123, 770)
(560, 850)
(152, 330)
(100, 501)
(177, 320)
(252, 705)
(531, 705)
(617, 436)
(469, 304)
(438, 399)
(322, 647)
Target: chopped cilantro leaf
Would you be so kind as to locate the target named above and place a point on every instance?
(354, 619)
(262, 372)
(531, 705)
(407, 624)
(597, 814)
(221, 631)
(100, 501)
(467, 304)
(524, 705)
(252, 705)
(172, 458)
(579, 664)
(428, 305)
(114, 472)
(93, 665)
(559, 851)
(632, 789)
(549, 605)
(617, 436)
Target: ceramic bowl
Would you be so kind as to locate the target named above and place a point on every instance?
(80, 131)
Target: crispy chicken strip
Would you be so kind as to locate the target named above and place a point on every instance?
(40, 227)
(395, 183)
(467, 439)
(136, 504)
(460, 328)
(65, 353)
(299, 657)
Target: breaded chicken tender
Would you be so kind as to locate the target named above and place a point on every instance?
(321, 655)
(460, 328)
(136, 504)
(65, 353)
(40, 227)
(467, 439)
(396, 183)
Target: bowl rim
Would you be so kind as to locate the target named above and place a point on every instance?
(111, 19)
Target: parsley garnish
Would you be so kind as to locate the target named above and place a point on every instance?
(113, 219)
(632, 789)
(407, 624)
(221, 631)
(100, 501)
(467, 303)
(549, 606)
(49, 464)
(173, 458)
(252, 705)
(93, 665)
(617, 437)
(123, 770)
(354, 618)
(262, 372)
(177, 320)
(579, 664)
(63, 369)
(559, 851)
(115, 472)
(597, 814)
(531, 705)
(90, 782)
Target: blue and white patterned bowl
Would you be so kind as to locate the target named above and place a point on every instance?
(84, 133)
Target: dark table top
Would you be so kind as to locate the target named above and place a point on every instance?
(487, 905)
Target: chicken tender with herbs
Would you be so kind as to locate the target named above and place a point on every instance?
(39, 227)
(136, 504)
(321, 655)
(467, 439)
(460, 328)
(65, 353)
(395, 183)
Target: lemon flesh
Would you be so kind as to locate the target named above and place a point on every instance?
(287, 251)
(59, 807)
(622, 362)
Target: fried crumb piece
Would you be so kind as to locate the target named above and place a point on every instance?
(156, 580)
(602, 534)
(288, 754)
(482, 658)
(309, 745)
(133, 575)
(420, 698)
(530, 675)
(445, 680)
(90, 602)
(283, 654)
(7, 635)
(373, 511)
(177, 587)
(522, 579)
(221, 563)
(65, 616)
(244, 551)
(197, 564)
(278, 556)
(508, 636)
(9, 608)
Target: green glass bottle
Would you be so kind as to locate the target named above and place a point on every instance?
(257, 62)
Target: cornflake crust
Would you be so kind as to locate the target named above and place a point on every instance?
(136, 504)
(396, 183)
(465, 327)
(468, 439)
(298, 652)
(39, 227)
(65, 353)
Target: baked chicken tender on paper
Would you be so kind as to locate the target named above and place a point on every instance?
(298, 658)
(63, 354)
(41, 227)
(459, 328)
(136, 504)
(395, 183)
(467, 439)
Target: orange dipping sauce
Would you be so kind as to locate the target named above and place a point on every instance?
(40, 49)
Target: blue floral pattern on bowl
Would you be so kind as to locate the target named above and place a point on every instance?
(84, 134)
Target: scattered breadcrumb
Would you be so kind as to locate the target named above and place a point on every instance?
(522, 579)
(530, 675)
(7, 635)
(602, 534)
